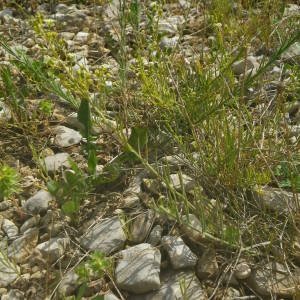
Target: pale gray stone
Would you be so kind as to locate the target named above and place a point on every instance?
(106, 236)
(182, 182)
(207, 265)
(56, 162)
(274, 199)
(138, 268)
(53, 249)
(81, 37)
(69, 283)
(141, 226)
(292, 55)
(66, 137)
(38, 203)
(242, 270)
(170, 25)
(10, 229)
(169, 43)
(31, 222)
(171, 288)
(192, 227)
(179, 253)
(110, 296)
(13, 294)
(9, 271)
(23, 246)
(273, 279)
(247, 65)
(155, 236)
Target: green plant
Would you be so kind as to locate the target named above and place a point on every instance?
(9, 181)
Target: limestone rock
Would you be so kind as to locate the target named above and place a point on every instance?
(245, 65)
(56, 162)
(138, 269)
(179, 253)
(23, 246)
(53, 249)
(10, 229)
(141, 226)
(38, 203)
(66, 137)
(171, 288)
(155, 236)
(9, 271)
(107, 236)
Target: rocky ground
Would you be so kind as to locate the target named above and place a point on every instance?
(142, 251)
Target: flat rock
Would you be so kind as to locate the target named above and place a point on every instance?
(69, 283)
(138, 269)
(10, 229)
(9, 271)
(192, 227)
(38, 203)
(23, 246)
(169, 43)
(56, 162)
(207, 265)
(274, 199)
(107, 236)
(155, 236)
(171, 288)
(141, 226)
(13, 294)
(292, 55)
(179, 253)
(31, 222)
(66, 137)
(247, 65)
(273, 279)
(182, 182)
(53, 249)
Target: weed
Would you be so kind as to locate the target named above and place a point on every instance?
(9, 181)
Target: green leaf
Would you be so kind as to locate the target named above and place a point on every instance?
(84, 117)
(52, 187)
(69, 207)
(99, 297)
(92, 161)
(138, 138)
(81, 291)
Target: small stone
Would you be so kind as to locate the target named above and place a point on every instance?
(31, 222)
(9, 271)
(245, 65)
(66, 35)
(192, 228)
(23, 246)
(55, 162)
(110, 296)
(179, 253)
(54, 248)
(81, 37)
(10, 229)
(273, 279)
(37, 275)
(107, 236)
(172, 288)
(207, 265)
(141, 226)
(181, 182)
(69, 283)
(292, 55)
(274, 199)
(66, 137)
(38, 203)
(13, 294)
(129, 200)
(138, 269)
(242, 271)
(155, 236)
(169, 43)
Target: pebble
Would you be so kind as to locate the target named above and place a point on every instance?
(10, 229)
(138, 269)
(141, 226)
(66, 137)
(106, 236)
(38, 203)
(179, 253)
(56, 162)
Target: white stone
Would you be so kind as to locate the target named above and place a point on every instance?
(55, 162)
(107, 236)
(38, 203)
(179, 253)
(138, 269)
(66, 137)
